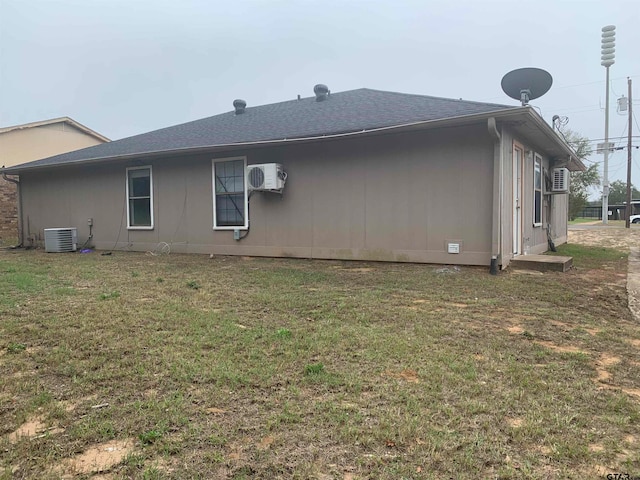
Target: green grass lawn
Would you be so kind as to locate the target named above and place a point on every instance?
(579, 220)
(611, 223)
(184, 367)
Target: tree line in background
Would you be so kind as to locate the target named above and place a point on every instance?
(581, 182)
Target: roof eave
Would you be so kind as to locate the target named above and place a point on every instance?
(53, 121)
(573, 161)
(458, 120)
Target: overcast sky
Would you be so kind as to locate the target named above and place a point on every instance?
(123, 67)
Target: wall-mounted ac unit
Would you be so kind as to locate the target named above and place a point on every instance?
(61, 239)
(560, 180)
(266, 176)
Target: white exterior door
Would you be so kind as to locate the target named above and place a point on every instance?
(518, 155)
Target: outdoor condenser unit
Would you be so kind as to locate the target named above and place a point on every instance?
(560, 180)
(60, 239)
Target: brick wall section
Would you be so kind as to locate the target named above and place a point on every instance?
(8, 211)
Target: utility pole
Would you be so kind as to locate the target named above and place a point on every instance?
(608, 55)
(629, 209)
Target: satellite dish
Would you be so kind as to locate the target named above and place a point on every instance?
(526, 84)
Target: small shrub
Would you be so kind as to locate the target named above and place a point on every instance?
(16, 347)
(283, 333)
(106, 296)
(193, 284)
(314, 369)
(147, 438)
(135, 274)
(151, 473)
(159, 279)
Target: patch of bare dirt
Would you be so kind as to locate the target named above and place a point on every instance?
(608, 360)
(516, 330)
(596, 447)
(23, 374)
(602, 363)
(99, 458)
(28, 429)
(543, 449)
(560, 348)
(150, 393)
(519, 271)
(354, 269)
(408, 375)
(265, 443)
(215, 411)
(163, 465)
(68, 406)
(236, 452)
(601, 471)
(634, 392)
(558, 323)
(603, 375)
(515, 422)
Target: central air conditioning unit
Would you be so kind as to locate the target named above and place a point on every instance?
(560, 180)
(266, 177)
(60, 239)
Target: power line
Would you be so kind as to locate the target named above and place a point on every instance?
(610, 138)
(595, 82)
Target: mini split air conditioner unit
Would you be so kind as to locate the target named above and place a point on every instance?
(60, 239)
(266, 177)
(560, 180)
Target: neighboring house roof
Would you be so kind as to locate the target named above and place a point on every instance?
(53, 121)
(355, 111)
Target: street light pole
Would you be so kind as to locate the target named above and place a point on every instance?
(629, 209)
(608, 55)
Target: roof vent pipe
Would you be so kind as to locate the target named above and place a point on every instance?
(239, 105)
(321, 91)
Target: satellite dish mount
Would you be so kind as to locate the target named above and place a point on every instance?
(526, 84)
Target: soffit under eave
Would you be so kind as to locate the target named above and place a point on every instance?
(527, 132)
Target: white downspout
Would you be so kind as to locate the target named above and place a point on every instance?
(496, 227)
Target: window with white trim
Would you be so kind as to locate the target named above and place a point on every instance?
(537, 191)
(139, 198)
(229, 194)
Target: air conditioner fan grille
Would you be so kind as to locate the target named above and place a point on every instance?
(256, 177)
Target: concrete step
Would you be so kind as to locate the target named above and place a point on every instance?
(543, 263)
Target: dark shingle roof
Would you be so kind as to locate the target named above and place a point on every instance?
(344, 112)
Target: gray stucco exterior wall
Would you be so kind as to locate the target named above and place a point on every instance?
(395, 197)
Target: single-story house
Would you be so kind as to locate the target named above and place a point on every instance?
(33, 141)
(358, 175)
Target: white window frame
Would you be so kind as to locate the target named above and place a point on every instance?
(128, 199)
(537, 163)
(245, 226)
